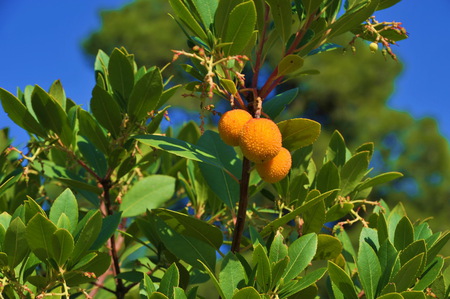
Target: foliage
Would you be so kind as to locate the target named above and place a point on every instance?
(104, 204)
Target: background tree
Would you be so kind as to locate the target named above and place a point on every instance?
(344, 97)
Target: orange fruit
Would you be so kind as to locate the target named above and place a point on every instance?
(230, 125)
(275, 169)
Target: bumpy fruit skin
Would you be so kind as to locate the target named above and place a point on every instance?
(260, 140)
(231, 124)
(276, 169)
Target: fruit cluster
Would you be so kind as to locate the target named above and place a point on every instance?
(260, 142)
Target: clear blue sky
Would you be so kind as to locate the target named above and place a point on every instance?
(41, 43)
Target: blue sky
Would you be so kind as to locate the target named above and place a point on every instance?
(41, 43)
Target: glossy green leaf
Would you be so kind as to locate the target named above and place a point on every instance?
(213, 278)
(156, 121)
(310, 6)
(314, 218)
(166, 95)
(228, 85)
(145, 95)
(15, 245)
(19, 114)
(277, 104)
(121, 76)
(87, 236)
(65, 203)
(158, 295)
(413, 295)
(106, 110)
(31, 208)
(278, 250)
(391, 296)
(430, 274)
(408, 273)
(387, 256)
(190, 226)
(353, 171)
(221, 17)
(282, 17)
(336, 151)
(218, 179)
(413, 249)
(247, 293)
(179, 293)
(382, 228)
(289, 64)
(338, 211)
(184, 14)
(300, 253)
(94, 157)
(90, 129)
(422, 231)
(278, 271)
(39, 235)
(263, 269)
(298, 132)
(328, 247)
(231, 276)
(386, 4)
(109, 227)
(179, 148)
(328, 177)
(62, 246)
(146, 287)
(206, 10)
(57, 92)
(379, 179)
(438, 245)
(239, 27)
(304, 282)
(169, 281)
(369, 269)
(148, 193)
(404, 234)
(341, 279)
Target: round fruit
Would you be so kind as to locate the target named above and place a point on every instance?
(373, 47)
(276, 169)
(260, 140)
(230, 125)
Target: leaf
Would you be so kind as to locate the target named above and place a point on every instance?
(387, 256)
(338, 211)
(278, 250)
(223, 185)
(298, 132)
(404, 234)
(311, 6)
(300, 252)
(247, 293)
(39, 235)
(391, 296)
(179, 148)
(412, 250)
(341, 279)
(379, 179)
(184, 14)
(221, 17)
(387, 3)
(14, 244)
(336, 151)
(91, 130)
(19, 114)
(231, 275)
(109, 227)
(314, 218)
(328, 247)
(169, 281)
(304, 282)
(438, 245)
(278, 271)
(145, 95)
(408, 273)
(353, 171)
(106, 110)
(190, 226)
(94, 157)
(289, 64)
(263, 270)
(65, 203)
(239, 27)
(282, 17)
(87, 236)
(62, 246)
(121, 76)
(413, 295)
(148, 193)
(146, 287)
(277, 104)
(328, 177)
(206, 10)
(228, 85)
(430, 274)
(369, 269)
(158, 295)
(214, 279)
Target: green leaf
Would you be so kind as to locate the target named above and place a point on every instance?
(146, 287)
(422, 231)
(121, 76)
(228, 85)
(301, 252)
(169, 281)
(353, 171)
(240, 25)
(278, 250)
(90, 129)
(57, 92)
(338, 211)
(311, 6)
(190, 226)
(206, 10)
(382, 228)
(106, 110)
(341, 279)
(39, 235)
(166, 95)
(179, 148)
(221, 17)
(278, 271)
(298, 132)
(282, 17)
(336, 151)
(62, 246)
(328, 177)
(408, 273)
(430, 274)
(94, 157)
(314, 218)
(304, 282)
(179, 293)
(148, 193)
(156, 121)
(15, 245)
(145, 95)
(231, 275)
(369, 269)
(386, 4)
(19, 114)
(412, 250)
(263, 270)
(413, 295)
(51, 115)
(109, 227)
(158, 295)
(387, 255)
(379, 179)
(391, 296)
(184, 14)
(289, 64)
(247, 293)
(438, 245)
(214, 279)
(276, 105)
(223, 185)
(87, 237)
(404, 234)
(328, 247)
(65, 203)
